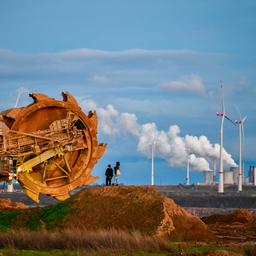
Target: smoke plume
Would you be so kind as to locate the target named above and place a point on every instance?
(169, 145)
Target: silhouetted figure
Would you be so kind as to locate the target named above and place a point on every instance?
(109, 175)
(117, 172)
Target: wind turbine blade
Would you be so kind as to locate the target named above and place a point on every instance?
(222, 98)
(21, 90)
(244, 119)
(238, 112)
(242, 127)
(230, 120)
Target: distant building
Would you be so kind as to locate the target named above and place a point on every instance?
(252, 175)
(246, 181)
(228, 177)
(235, 171)
(208, 177)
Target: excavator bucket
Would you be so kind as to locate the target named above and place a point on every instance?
(50, 146)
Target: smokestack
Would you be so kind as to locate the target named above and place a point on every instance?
(214, 167)
(208, 177)
(187, 176)
(152, 164)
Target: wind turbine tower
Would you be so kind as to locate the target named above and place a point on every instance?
(20, 92)
(240, 123)
(222, 115)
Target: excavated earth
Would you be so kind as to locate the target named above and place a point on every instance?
(239, 226)
(134, 208)
(128, 208)
(9, 204)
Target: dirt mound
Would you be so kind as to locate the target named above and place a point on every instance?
(8, 203)
(237, 226)
(242, 216)
(125, 208)
(133, 208)
(238, 216)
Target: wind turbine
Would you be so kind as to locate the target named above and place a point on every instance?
(240, 123)
(223, 116)
(20, 92)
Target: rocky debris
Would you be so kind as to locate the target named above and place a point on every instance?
(241, 216)
(238, 216)
(8, 203)
(237, 226)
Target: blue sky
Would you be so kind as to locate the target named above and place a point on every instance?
(160, 60)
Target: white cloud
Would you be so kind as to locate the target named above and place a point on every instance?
(109, 117)
(91, 63)
(192, 83)
(132, 53)
(99, 79)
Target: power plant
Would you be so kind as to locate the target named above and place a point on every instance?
(252, 175)
(208, 177)
(231, 177)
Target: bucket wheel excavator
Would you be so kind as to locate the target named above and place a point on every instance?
(49, 146)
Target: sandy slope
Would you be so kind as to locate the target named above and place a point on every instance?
(134, 208)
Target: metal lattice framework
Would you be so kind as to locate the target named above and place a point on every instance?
(50, 146)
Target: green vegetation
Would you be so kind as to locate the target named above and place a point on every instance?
(14, 252)
(204, 248)
(49, 217)
(6, 219)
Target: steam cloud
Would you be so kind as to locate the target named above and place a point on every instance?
(169, 145)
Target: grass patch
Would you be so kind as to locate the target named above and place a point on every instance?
(49, 217)
(6, 219)
(204, 248)
(14, 252)
(103, 241)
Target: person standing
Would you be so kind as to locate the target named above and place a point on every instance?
(109, 175)
(117, 172)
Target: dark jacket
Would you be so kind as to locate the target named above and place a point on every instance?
(109, 172)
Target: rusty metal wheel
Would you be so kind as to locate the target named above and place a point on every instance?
(60, 174)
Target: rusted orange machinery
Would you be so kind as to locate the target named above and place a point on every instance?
(49, 146)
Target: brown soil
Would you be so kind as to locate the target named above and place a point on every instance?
(7, 203)
(237, 226)
(222, 253)
(134, 208)
(126, 208)
(238, 216)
